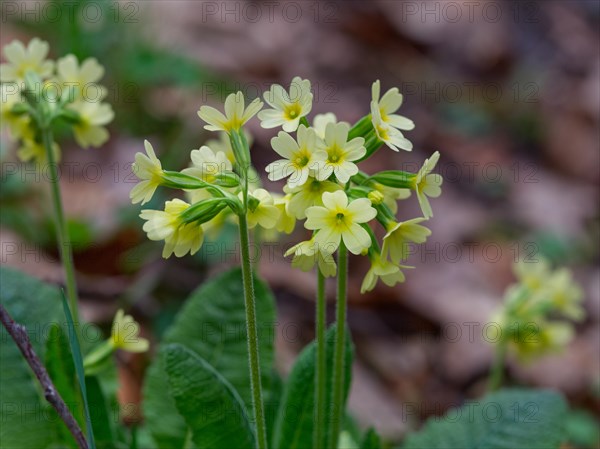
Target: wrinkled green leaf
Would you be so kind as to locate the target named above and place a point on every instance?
(27, 421)
(507, 419)
(295, 420)
(210, 406)
(212, 323)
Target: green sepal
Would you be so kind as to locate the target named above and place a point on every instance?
(395, 178)
(204, 211)
(362, 128)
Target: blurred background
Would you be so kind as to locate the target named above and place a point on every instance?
(508, 92)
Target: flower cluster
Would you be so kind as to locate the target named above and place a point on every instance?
(324, 185)
(36, 91)
(531, 306)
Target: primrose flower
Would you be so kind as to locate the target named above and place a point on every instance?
(339, 220)
(389, 135)
(180, 238)
(565, 295)
(395, 242)
(388, 105)
(90, 130)
(206, 164)
(321, 121)
(18, 125)
(288, 108)
(236, 114)
(125, 334)
(308, 194)
(299, 157)
(149, 170)
(307, 253)
(389, 273)
(534, 339)
(427, 185)
(22, 59)
(82, 77)
(533, 275)
(286, 222)
(32, 150)
(340, 153)
(261, 209)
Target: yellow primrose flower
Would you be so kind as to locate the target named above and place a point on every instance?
(427, 185)
(148, 169)
(22, 59)
(236, 114)
(337, 219)
(308, 194)
(167, 225)
(18, 125)
(321, 121)
(299, 157)
(31, 150)
(389, 135)
(125, 334)
(261, 209)
(532, 340)
(533, 275)
(395, 242)
(382, 269)
(82, 77)
(93, 116)
(288, 108)
(309, 252)
(565, 295)
(206, 164)
(286, 222)
(340, 153)
(388, 105)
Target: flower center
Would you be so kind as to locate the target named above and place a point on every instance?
(301, 159)
(335, 154)
(292, 111)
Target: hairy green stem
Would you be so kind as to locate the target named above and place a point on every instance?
(62, 236)
(321, 372)
(253, 355)
(337, 408)
(497, 371)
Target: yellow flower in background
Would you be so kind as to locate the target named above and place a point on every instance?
(236, 114)
(19, 126)
(427, 185)
(340, 153)
(388, 105)
(286, 222)
(533, 339)
(308, 194)
(82, 77)
(399, 235)
(22, 59)
(125, 334)
(287, 107)
(32, 151)
(389, 135)
(321, 121)
(206, 164)
(167, 225)
(389, 273)
(300, 157)
(90, 131)
(149, 170)
(308, 253)
(565, 295)
(337, 219)
(532, 275)
(261, 209)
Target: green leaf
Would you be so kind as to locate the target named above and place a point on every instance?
(24, 413)
(209, 404)
(371, 440)
(61, 369)
(295, 419)
(78, 361)
(212, 323)
(507, 419)
(99, 412)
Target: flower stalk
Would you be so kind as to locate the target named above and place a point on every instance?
(337, 406)
(321, 370)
